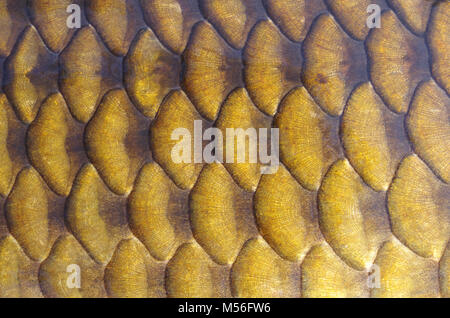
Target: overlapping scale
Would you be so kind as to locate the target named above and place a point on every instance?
(232, 18)
(177, 112)
(95, 217)
(238, 112)
(212, 70)
(13, 18)
(113, 143)
(158, 212)
(334, 63)
(88, 71)
(261, 273)
(397, 62)
(50, 18)
(48, 147)
(18, 275)
(429, 127)
(220, 214)
(172, 20)
(191, 274)
(415, 13)
(117, 22)
(9, 273)
(286, 215)
(405, 274)
(24, 84)
(309, 141)
(352, 217)
(325, 275)
(373, 137)
(438, 39)
(12, 158)
(272, 66)
(57, 273)
(27, 213)
(150, 72)
(419, 208)
(352, 15)
(294, 17)
(132, 273)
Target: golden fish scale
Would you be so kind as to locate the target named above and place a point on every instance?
(86, 176)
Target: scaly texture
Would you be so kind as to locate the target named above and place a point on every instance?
(56, 271)
(220, 216)
(50, 18)
(25, 86)
(325, 275)
(404, 274)
(294, 17)
(238, 112)
(396, 65)
(5, 159)
(172, 20)
(438, 39)
(212, 69)
(272, 66)
(350, 219)
(308, 138)
(260, 272)
(17, 272)
(333, 64)
(429, 127)
(87, 67)
(154, 212)
(108, 137)
(102, 128)
(191, 274)
(117, 33)
(47, 144)
(12, 23)
(233, 18)
(90, 217)
(352, 14)
(419, 208)
(27, 214)
(150, 72)
(415, 13)
(132, 273)
(176, 112)
(371, 138)
(286, 216)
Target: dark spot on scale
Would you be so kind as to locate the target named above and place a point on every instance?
(321, 78)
